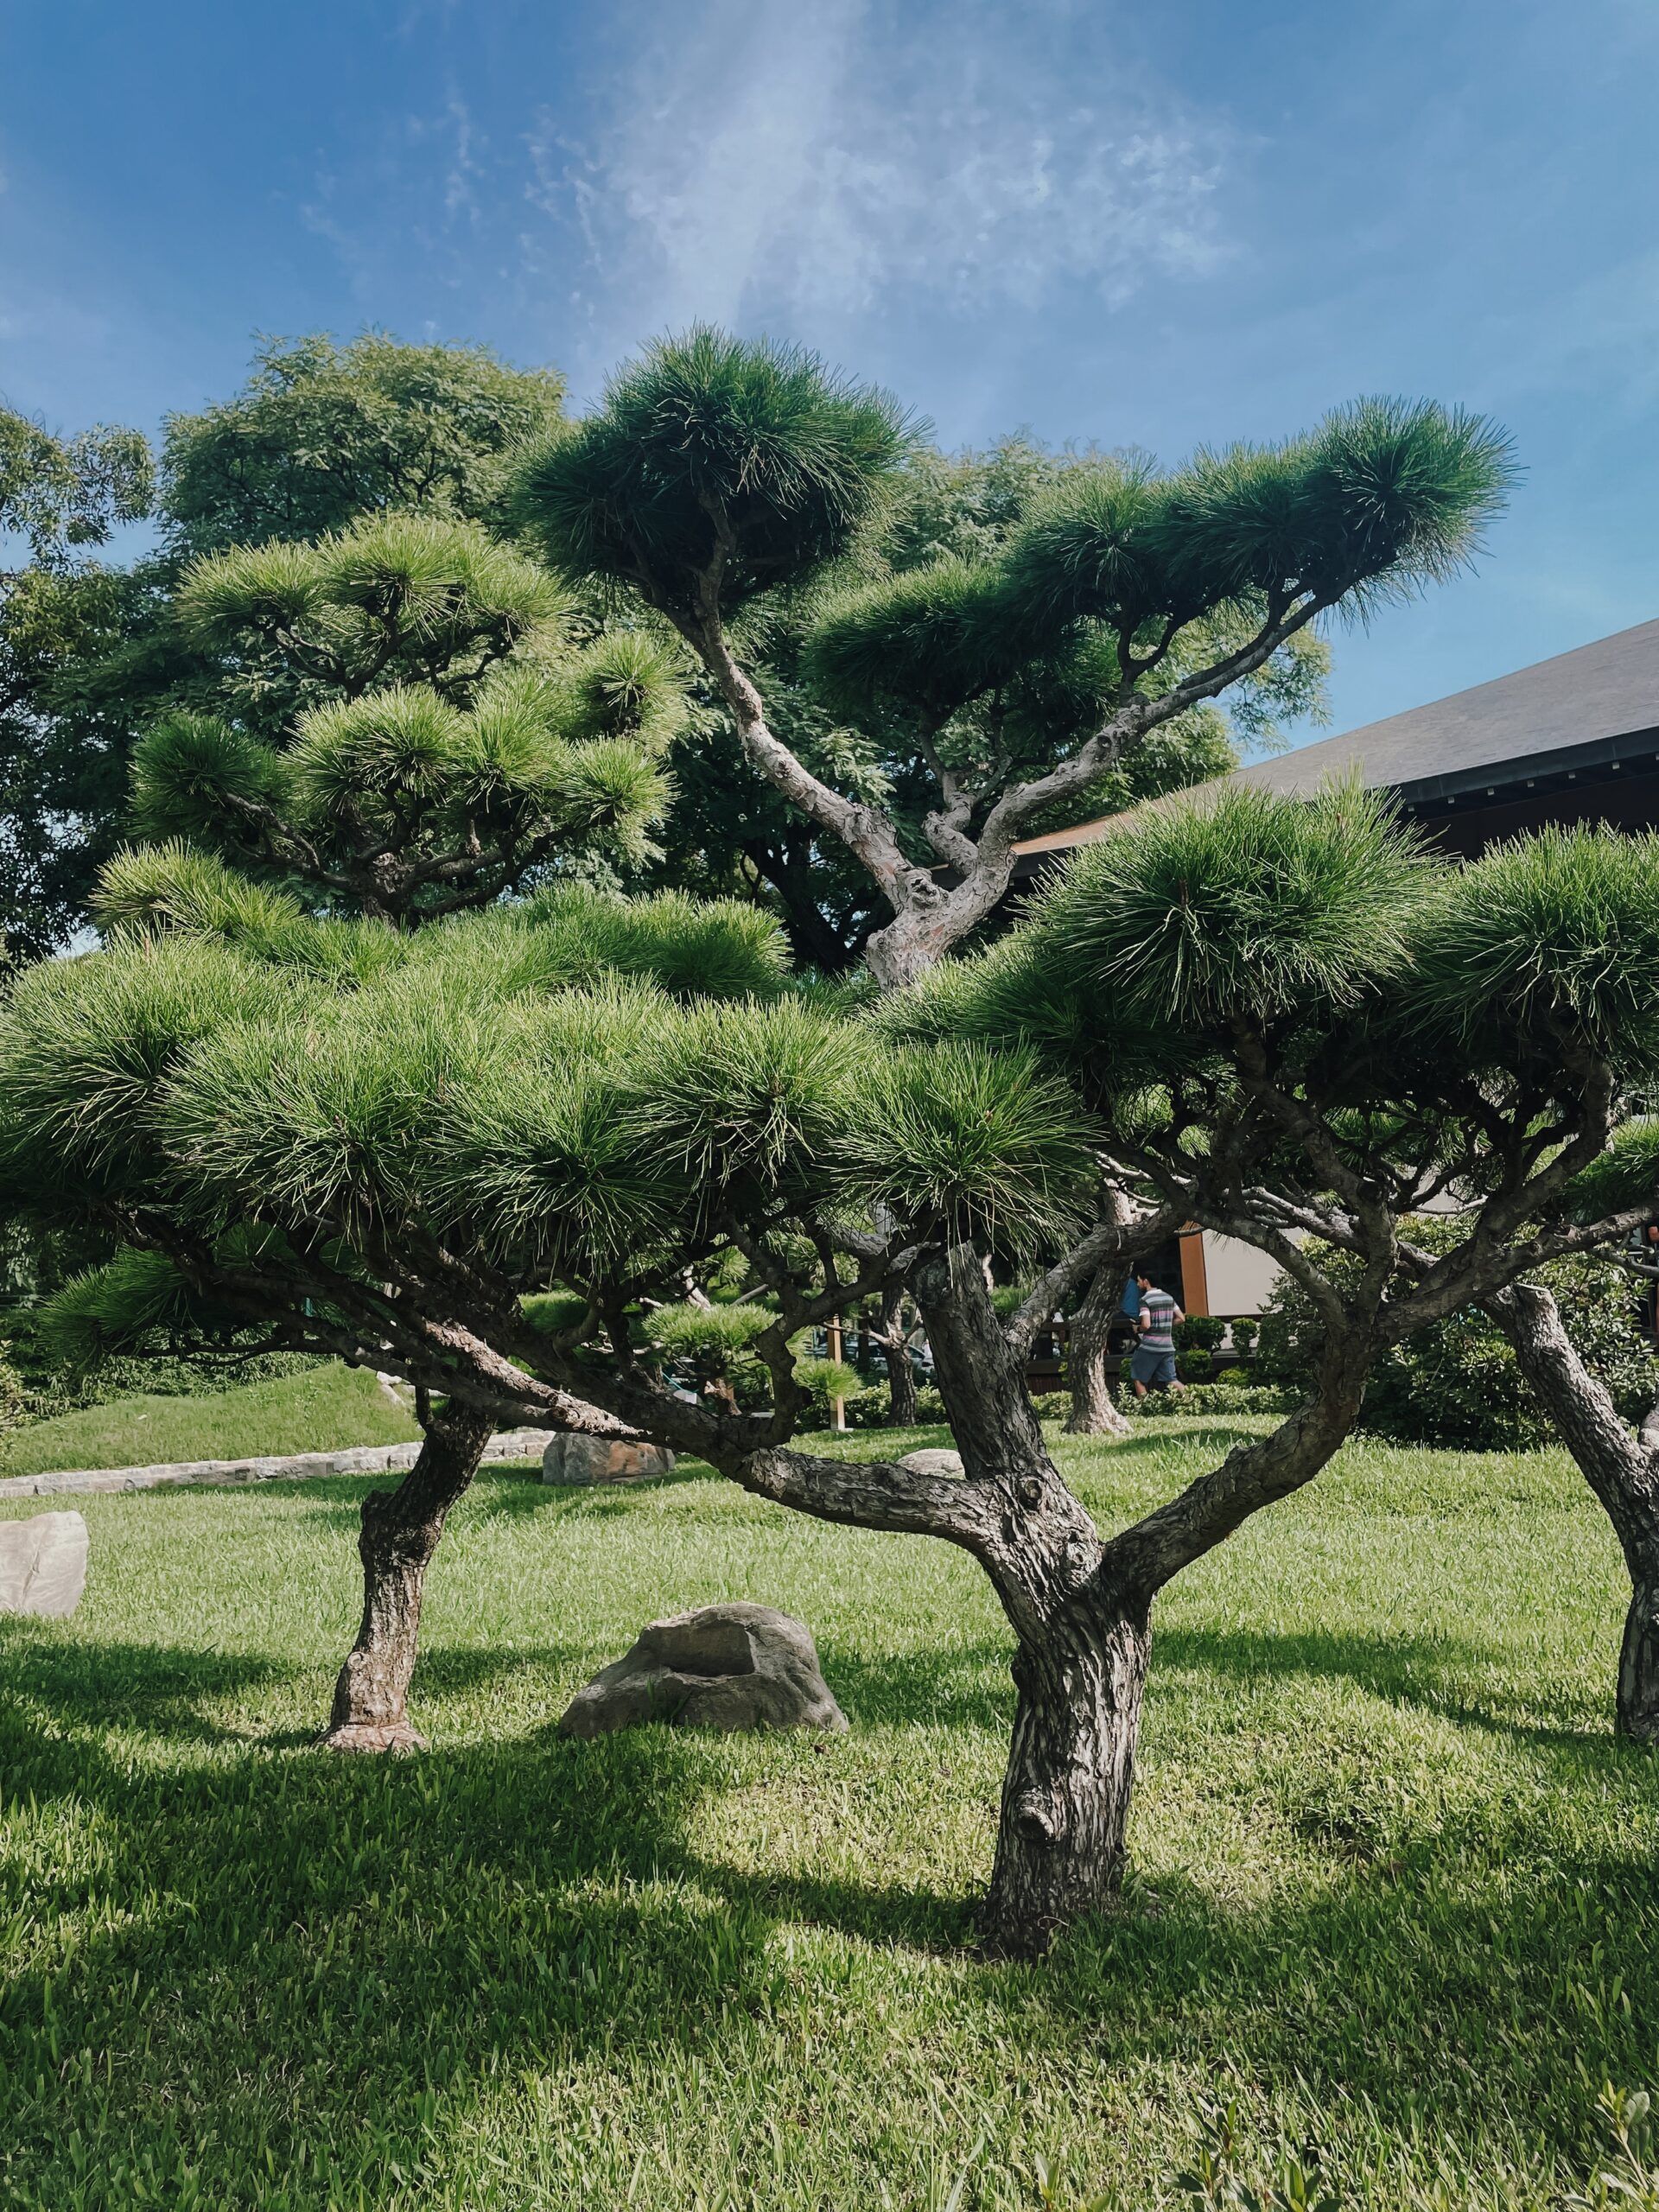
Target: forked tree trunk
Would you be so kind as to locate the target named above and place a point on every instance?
(1093, 1412)
(1621, 1467)
(901, 1375)
(1060, 1842)
(400, 1532)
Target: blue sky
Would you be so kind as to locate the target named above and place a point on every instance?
(1129, 225)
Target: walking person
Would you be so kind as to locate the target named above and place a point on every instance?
(1152, 1363)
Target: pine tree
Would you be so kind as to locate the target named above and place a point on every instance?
(1025, 672)
(476, 1154)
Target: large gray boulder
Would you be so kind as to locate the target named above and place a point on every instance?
(42, 1564)
(572, 1459)
(730, 1667)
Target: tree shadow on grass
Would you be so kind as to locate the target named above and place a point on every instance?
(268, 1929)
(156, 1689)
(1455, 1679)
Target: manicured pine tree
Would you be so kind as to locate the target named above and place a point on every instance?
(1021, 674)
(321, 437)
(448, 1163)
(732, 831)
(410, 721)
(445, 731)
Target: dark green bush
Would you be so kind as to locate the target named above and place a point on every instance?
(1245, 1329)
(1457, 1384)
(1213, 1398)
(1193, 1366)
(1200, 1332)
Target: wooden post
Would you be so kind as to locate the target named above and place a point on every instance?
(837, 1406)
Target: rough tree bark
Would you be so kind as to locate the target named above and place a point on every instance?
(1080, 1661)
(400, 1532)
(1620, 1466)
(1093, 1412)
(1062, 1834)
(901, 1375)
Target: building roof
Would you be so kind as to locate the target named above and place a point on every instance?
(1589, 710)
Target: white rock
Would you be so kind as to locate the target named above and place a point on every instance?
(939, 1462)
(42, 1564)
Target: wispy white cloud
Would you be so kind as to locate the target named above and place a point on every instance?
(836, 159)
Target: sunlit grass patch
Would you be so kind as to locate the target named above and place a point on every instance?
(1393, 1890)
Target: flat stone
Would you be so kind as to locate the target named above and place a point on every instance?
(42, 1564)
(728, 1667)
(934, 1462)
(573, 1458)
(520, 1443)
(293, 1467)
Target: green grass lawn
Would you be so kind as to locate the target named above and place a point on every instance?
(1394, 1889)
(320, 1409)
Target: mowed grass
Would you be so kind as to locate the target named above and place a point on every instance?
(1394, 1885)
(320, 1409)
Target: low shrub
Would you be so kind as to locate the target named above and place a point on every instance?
(1457, 1384)
(1214, 1398)
(1200, 1332)
(870, 1407)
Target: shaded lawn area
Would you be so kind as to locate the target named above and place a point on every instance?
(1394, 1885)
(321, 1408)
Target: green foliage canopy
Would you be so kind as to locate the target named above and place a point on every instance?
(451, 732)
(718, 472)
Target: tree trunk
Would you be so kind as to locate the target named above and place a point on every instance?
(901, 1375)
(1638, 1659)
(400, 1532)
(1620, 1467)
(1093, 1412)
(1065, 1798)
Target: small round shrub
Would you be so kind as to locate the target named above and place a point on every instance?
(1200, 1332)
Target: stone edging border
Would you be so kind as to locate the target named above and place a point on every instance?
(301, 1466)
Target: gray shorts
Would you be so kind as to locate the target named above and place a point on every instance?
(1152, 1366)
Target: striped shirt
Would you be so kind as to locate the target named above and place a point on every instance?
(1158, 1312)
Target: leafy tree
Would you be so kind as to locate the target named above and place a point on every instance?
(59, 494)
(323, 434)
(382, 1145)
(1460, 1383)
(58, 498)
(321, 437)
